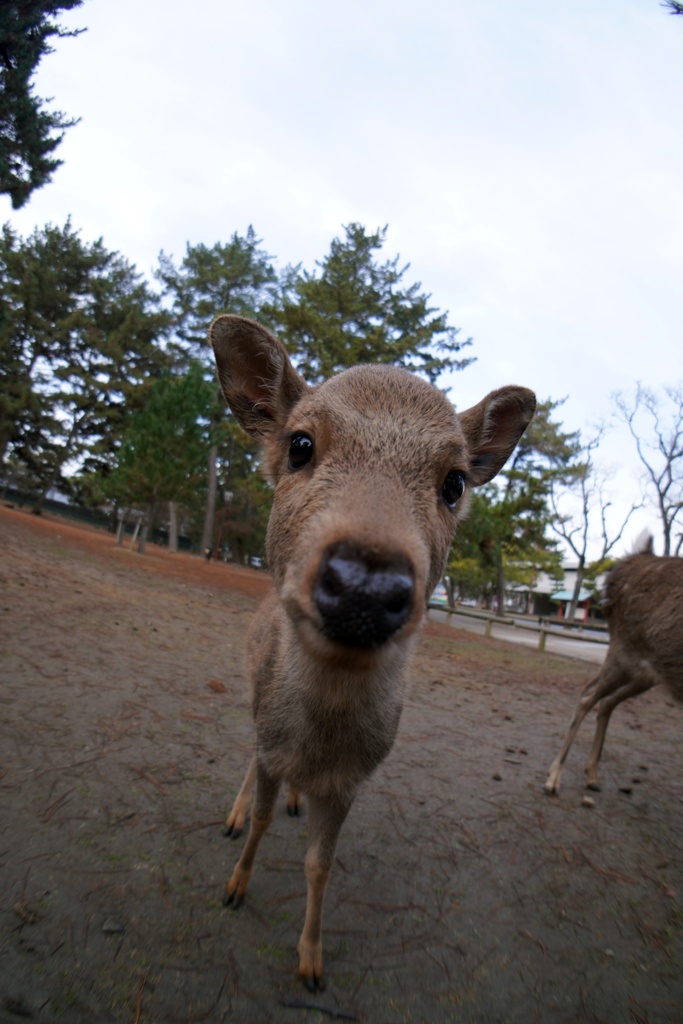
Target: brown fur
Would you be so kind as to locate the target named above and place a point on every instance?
(327, 700)
(644, 610)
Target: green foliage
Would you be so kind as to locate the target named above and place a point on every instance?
(26, 127)
(505, 534)
(96, 376)
(357, 310)
(165, 446)
(497, 538)
(472, 563)
(544, 454)
(79, 333)
(595, 571)
(244, 495)
(237, 278)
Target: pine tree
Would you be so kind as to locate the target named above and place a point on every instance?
(163, 455)
(79, 342)
(236, 277)
(27, 139)
(356, 309)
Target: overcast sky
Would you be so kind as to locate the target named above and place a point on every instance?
(526, 155)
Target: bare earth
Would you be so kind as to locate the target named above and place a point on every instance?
(460, 893)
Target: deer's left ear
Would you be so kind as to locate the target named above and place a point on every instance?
(493, 427)
(258, 381)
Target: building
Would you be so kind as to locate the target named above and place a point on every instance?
(551, 598)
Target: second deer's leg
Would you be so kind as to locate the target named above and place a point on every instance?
(630, 689)
(589, 698)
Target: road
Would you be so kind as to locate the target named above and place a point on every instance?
(556, 640)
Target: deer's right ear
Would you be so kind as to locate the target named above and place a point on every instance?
(257, 379)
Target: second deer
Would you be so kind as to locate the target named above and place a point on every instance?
(643, 606)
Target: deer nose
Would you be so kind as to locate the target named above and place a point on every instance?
(362, 596)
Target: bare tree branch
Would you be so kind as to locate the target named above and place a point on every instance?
(589, 488)
(659, 444)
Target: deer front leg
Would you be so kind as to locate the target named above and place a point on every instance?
(266, 794)
(234, 823)
(326, 818)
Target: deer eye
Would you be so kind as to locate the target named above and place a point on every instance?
(453, 488)
(300, 450)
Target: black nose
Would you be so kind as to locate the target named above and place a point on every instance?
(363, 597)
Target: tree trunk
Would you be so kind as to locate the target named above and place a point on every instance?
(142, 543)
(4, 442)
(136, 530)
(121, 526)
(207, 533)
(173, 527)
(146, 527)
(38, 507)
(580, 576)
(500, 584)
(666, 527)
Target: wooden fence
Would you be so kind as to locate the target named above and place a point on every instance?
(544, 626)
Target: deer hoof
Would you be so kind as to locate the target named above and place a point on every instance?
(233, 899)
(314, 983)
(311, 967)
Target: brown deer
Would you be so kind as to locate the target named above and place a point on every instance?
(643, 605)
(370, 470)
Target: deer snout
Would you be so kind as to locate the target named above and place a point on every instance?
(362, 596)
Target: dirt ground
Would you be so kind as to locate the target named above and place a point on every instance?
(461, 892)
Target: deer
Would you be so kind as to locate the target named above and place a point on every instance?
(371, 471)
(643, 605)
